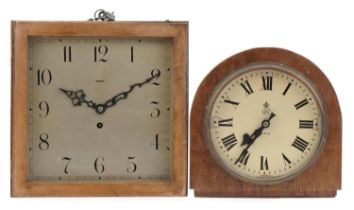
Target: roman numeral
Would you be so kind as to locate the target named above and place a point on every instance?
(247, 87)
(267, 82)
(286, 89)
(67, 53)
(300, 144)
(233, 103)
(264, 163)
(307, 124)
(285, 159)
(225, 122)
(301, 103)
(229, 141)
(243, 159)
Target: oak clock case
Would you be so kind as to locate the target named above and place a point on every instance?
(262, 127)
(101, 110)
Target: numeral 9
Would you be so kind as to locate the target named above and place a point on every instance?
(44, 107)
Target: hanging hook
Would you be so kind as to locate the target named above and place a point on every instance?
(103, 15)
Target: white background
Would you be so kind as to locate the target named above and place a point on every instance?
(319, 30)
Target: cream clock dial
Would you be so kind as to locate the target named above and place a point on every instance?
(264, 123)
(99, 108)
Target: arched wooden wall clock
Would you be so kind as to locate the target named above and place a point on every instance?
(265, 122)
(99, 108)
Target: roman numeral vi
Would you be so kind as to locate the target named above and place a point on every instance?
(264, 163)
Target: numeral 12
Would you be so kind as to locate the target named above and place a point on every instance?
(99, 53)
(267, 82)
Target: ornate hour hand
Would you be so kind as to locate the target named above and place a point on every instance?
(124, 95)
(249, 140)
(78, 98)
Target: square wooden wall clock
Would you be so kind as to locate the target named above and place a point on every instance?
(266, 122)
(99, 108)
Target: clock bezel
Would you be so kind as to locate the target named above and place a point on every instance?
(176, 185)
(253, 67)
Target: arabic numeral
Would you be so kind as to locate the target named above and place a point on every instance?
(132, 167)
(44, 77)
(156, 111)
(155, 73)
(155, 142)
(68, 159)
(43, 144)
(99, 167)
(67, 54)
(44, 108)
(99, 53)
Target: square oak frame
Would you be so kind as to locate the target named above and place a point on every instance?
(176, 185)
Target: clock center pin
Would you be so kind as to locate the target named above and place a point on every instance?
(100, 109)
(99, 125)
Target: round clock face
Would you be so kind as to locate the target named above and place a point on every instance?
(265, 123)
(99, 108)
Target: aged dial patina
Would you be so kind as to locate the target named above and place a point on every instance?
(265, 124)
(99, 108)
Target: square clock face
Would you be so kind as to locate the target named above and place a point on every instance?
(98, 108)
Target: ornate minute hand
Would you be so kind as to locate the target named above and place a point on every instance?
(124, 95)
(249, 140)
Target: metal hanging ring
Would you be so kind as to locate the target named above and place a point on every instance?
(103, 15)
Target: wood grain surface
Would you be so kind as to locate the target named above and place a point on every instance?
(323, 178)
(177, 185)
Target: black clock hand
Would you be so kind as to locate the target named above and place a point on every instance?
(124, 95)
(78, 98)
(249, 140)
